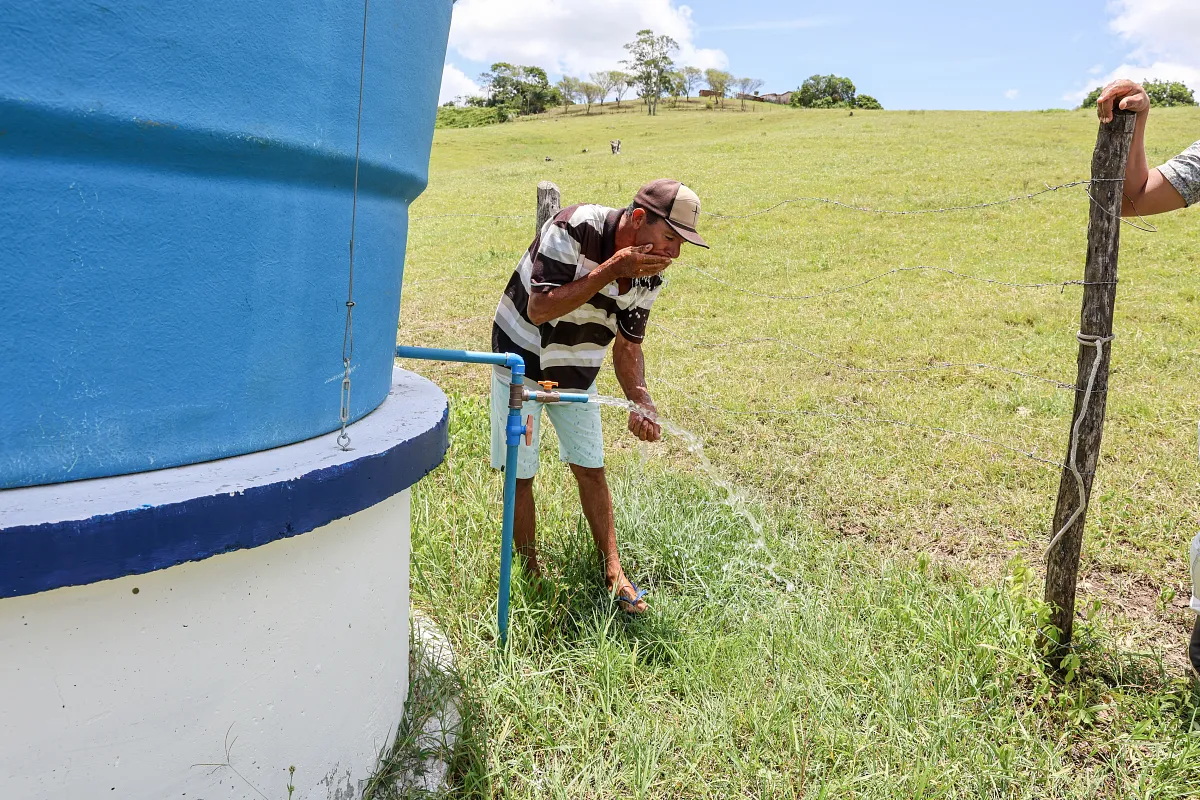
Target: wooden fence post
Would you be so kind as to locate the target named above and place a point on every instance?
(1087, 421)
(548, 199)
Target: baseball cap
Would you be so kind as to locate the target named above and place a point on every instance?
(675, 203)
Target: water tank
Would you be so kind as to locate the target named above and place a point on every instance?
(175, 222)
(222, 609)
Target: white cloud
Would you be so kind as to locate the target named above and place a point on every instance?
(1096, 69)
(571, 36)
(455, 83)
(1011, 94)
(1160, 29)
(1165, 37)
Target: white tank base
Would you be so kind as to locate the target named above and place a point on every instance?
(209, 679)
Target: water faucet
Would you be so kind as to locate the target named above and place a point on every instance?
(547, 395)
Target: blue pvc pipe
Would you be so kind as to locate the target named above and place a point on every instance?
(513, 429)
(512, 440)
(509, 360)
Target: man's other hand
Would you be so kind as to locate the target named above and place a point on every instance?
(643, 427)
(1125, 95)
(636, 262)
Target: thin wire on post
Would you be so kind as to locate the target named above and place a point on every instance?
(1098, 342)
(803, 412)
(680, 338)
(343, 438)
(909, 212)
(838, 290)
(848, 206)
(897, 270)
(1145, 227)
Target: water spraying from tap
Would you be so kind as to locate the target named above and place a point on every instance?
(734, 498)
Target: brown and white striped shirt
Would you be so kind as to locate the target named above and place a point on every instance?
(570, 349)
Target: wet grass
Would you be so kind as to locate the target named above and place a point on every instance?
(902, 660)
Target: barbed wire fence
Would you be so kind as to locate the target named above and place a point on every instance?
(777, 412)
(896, 271)
(837, 290)
(680, 337)
(935, 366)
(1144, 225)
(1104, 192)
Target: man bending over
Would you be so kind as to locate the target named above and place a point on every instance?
(588, 279)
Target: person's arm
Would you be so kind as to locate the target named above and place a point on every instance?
(1146, 190)
(632, 262)
(630, 366)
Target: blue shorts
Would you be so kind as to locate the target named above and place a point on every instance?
(580, 437)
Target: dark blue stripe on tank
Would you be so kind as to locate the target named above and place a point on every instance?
(50, 133)
(35, 558)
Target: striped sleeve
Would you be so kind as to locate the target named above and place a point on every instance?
(557, 255)
(632, 321)
(1183, 172)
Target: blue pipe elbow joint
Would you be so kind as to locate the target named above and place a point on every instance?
(512, 430)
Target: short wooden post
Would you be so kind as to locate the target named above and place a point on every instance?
(1087, 421)
(548, 199)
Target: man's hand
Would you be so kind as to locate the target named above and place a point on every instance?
(1126, 95)
(1146, 190)
(632, 262)
(636, 262)
(643, 427)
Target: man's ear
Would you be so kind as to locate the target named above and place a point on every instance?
(638, 217)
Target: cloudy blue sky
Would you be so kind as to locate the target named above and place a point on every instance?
(921, 54)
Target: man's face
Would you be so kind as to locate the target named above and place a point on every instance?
(663, 238)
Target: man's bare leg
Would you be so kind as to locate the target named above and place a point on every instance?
(597, 507)
(525, 527)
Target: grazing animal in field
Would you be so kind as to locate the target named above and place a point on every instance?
(615, 144)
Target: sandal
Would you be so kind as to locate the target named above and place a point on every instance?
(630, 606)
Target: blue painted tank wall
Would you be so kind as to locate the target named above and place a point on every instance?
(175, 217)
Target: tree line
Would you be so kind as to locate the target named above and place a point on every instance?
(649, 70)
(682, 83)
(831, 91)
(1161, 93)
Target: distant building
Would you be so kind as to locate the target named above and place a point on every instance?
(707, 93)
(782, 99)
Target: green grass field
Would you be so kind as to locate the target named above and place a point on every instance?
(876, 639)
